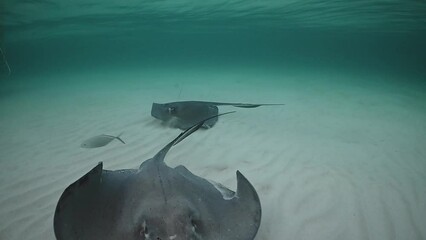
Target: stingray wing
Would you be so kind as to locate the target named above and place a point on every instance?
(246, 211)
(183, 115)
(89, 207)
(226, 215)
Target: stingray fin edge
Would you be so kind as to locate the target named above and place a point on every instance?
(249, 201)
(73, 193)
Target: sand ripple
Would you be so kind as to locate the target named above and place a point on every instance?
(315, 179)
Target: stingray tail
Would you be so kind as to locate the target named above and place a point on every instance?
(162, 153)
(245, 105)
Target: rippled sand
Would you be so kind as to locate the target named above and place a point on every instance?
(343, 159)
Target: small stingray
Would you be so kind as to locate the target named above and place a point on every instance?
(187, 113)
(100, 141)
(156, 202)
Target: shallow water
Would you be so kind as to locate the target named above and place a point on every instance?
(345, 158)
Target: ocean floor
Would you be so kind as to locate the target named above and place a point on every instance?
(345, 158)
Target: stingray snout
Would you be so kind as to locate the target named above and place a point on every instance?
(163, 111)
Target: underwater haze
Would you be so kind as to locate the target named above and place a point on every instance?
(373, 35)
(344, 158)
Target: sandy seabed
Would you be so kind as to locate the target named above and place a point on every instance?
(345, 158)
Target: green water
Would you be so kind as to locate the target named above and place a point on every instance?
(48, 36)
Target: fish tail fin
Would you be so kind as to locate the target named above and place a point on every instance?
(119, 139)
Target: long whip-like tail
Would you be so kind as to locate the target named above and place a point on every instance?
(162, 153)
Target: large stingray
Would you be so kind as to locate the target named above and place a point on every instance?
(156, 202)
(187, 113)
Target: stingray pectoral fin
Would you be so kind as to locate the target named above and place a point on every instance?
(75, 200)
(244, 189)
(246, 211)
(85, 184)
(89, 208)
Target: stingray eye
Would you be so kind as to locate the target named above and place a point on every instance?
(171, 110)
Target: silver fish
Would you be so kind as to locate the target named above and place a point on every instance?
(100, 141)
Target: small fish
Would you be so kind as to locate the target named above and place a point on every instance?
(100, 141)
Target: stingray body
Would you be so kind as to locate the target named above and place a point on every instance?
(156, 202)
(187, 113)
